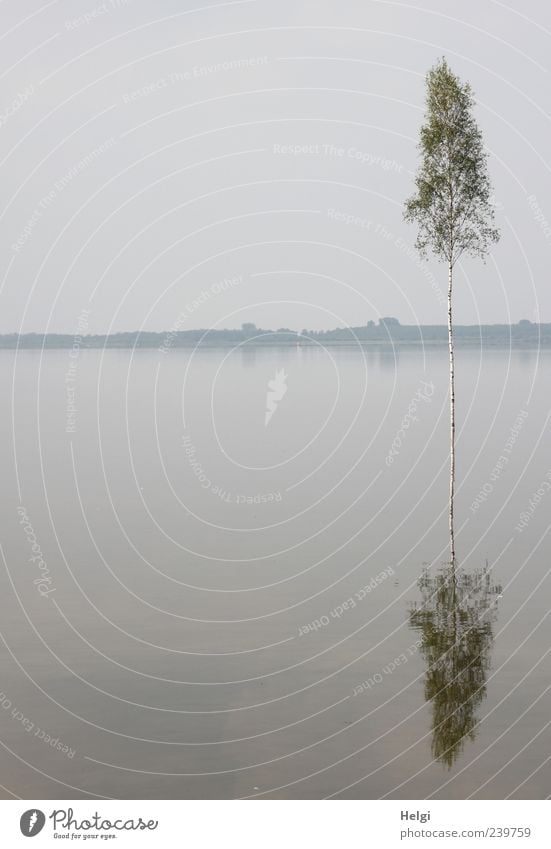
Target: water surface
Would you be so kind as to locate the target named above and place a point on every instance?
(220, 608)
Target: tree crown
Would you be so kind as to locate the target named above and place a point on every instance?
(451, 206)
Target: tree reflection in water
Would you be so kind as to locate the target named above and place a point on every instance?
(455, 621)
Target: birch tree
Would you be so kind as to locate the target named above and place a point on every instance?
(451, 205)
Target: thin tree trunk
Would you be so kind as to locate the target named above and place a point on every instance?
(452, 413)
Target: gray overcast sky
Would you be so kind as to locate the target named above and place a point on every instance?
(143, 161)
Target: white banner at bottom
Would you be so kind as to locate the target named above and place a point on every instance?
(271, 824)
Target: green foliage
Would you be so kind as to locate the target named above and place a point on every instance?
(455, 621)
(525, 334)
(451, 206)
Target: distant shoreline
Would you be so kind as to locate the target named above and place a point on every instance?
(387, 333)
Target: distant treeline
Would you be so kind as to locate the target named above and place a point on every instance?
(525, 334)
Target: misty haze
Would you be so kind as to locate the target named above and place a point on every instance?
(275, 355)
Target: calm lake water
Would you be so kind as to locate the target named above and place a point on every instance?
(199, 604)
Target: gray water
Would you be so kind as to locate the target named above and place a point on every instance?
(195, 623)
